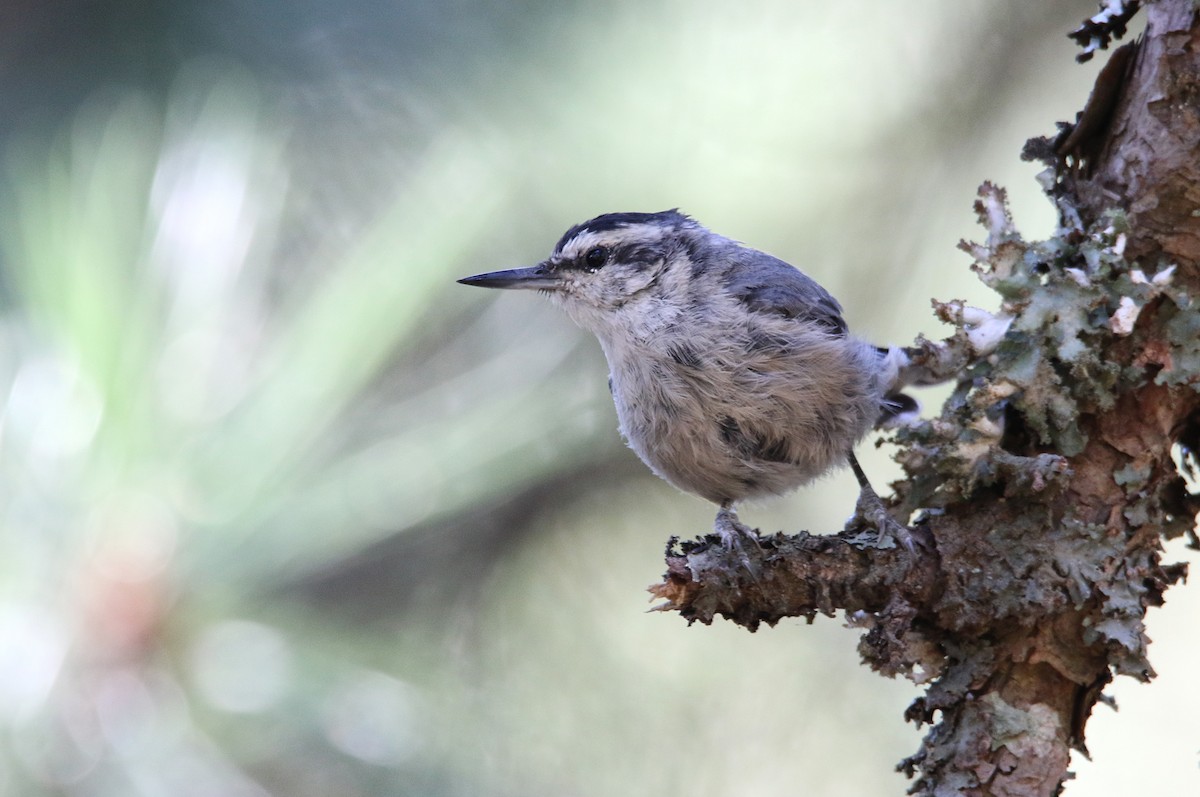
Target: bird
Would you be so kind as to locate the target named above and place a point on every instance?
(733, 373)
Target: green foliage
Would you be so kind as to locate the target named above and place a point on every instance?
(179, 446)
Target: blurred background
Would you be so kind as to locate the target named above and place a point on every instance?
(286, 511)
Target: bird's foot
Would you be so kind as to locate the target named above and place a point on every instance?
(889, 532)
(731, 530)
(735, 535)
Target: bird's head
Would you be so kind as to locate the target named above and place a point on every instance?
(607, 267)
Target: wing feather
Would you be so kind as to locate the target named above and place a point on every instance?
(766, 284)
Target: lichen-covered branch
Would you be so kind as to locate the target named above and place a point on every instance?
(789, 576)
(1044, 489)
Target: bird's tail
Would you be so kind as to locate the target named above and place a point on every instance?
(929, 363)
(901, 367)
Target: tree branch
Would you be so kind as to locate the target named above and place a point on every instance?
(1046, 486)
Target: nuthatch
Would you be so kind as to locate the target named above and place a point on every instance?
(733, 373)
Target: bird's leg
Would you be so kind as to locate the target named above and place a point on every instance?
(871, 509)
(730, 528)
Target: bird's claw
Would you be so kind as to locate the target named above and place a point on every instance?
(889, 533)
(734, 533)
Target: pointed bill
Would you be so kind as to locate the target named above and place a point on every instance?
(537, 277)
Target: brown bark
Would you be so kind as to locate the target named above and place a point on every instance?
(1046, 487)
(1148, 163)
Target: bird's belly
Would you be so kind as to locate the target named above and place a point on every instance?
(729, 445)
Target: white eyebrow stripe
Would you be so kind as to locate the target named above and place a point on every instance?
(634, 234)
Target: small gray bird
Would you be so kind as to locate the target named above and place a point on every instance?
(733, 373)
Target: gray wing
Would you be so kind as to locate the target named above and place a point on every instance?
(766, 284)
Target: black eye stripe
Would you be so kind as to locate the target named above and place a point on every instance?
(640, 254)
(637, 254)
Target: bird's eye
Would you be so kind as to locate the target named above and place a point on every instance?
(596, 257)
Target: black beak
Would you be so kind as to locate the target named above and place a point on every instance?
(537, 277)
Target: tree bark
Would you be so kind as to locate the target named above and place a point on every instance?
(1043, 492)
